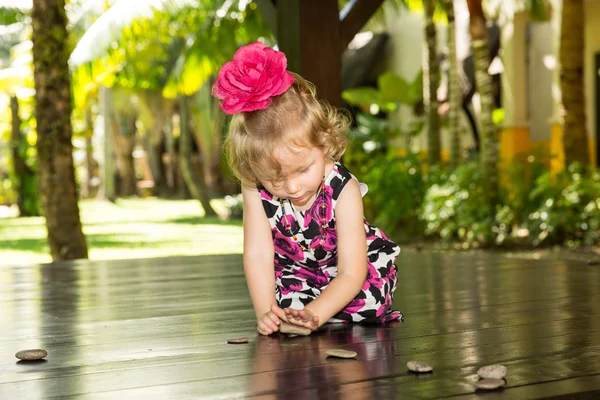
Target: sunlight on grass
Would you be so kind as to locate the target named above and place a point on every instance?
(131, 228)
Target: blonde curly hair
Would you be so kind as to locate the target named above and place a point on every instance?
(296, 118)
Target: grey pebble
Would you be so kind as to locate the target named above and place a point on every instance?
(31, 355)
(490, 384)
(418, 366)
(492, 372)
(340, 353)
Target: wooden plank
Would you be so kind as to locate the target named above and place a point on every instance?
(158, 328)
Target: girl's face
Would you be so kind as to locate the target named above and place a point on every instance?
(302, 170)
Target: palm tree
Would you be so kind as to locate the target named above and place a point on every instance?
(575, 139)
(431, 69)
(454, 93)
(489, 135)
(56, 173)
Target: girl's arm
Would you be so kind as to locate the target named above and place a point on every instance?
(352, 256)
(258, 253)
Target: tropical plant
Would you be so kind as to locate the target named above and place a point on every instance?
(193, 39)
(566, 208)
(16, 81)
(455, 208)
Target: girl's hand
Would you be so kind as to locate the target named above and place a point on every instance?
(305, 318)
(270, 321)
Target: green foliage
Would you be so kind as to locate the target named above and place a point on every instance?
(396, 190)
(31, 198)
(396, 89)
(11, 15)
(392, 90)
(28, 152)
(396, 185)
(455, 207)
(519, 177)
(536, 207)
(176, 47)
(566, 208)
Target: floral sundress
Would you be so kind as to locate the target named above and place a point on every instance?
(301, 275)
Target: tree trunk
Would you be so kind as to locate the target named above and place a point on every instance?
(193, 180)
(154, 152)
(89, 189)
(575, 138)
(56, 173)
(171, 165)
(160, 110)
(124, 132)
(489, 136)
(432, 72)
(24, 178)
(208, 123)
(454, 92)
(108, 188)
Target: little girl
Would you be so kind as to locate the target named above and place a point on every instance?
(309, 255)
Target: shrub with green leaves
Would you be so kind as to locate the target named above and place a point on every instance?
(566, 208)
(396, 190)
(457, 208)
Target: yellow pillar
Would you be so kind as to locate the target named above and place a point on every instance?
(514, 135)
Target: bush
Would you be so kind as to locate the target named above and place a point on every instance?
(456, 206)
(396, 190)
(566, 208)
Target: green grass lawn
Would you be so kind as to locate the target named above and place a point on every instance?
(131, 228)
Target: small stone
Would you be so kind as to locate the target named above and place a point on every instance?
(593, 262)
(237, 340)
(31, 355)
(340, 353)
(418, 366)
(492, 372)
(294, 329)
(490, 384)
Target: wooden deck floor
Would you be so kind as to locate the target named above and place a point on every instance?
(157, 329)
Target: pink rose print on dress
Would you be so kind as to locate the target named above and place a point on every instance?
(286, 246)
(355, 306)
(312, 279)
(314, 213)
(278, 269)
(330, 242)
(256, 74)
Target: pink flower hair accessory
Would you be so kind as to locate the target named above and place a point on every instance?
(256, 74)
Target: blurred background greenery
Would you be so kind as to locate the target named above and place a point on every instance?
(469, 120)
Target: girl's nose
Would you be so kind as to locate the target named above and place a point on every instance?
(293, 188)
